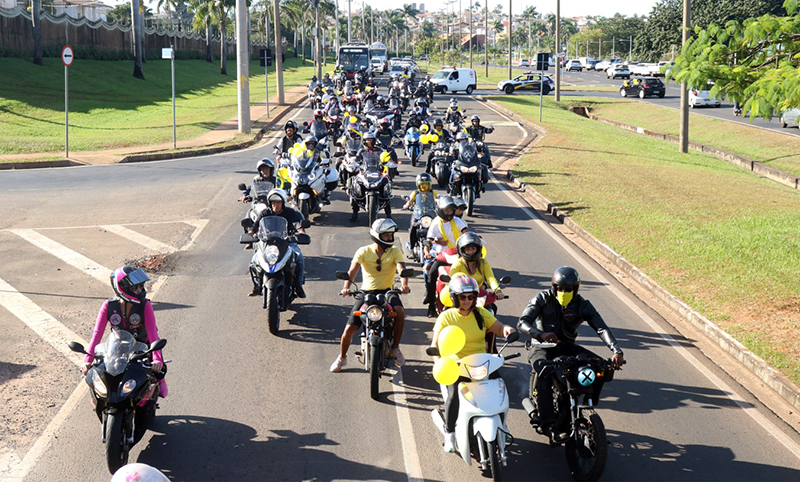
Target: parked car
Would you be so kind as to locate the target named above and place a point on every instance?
(702, 98)
(643, 87)
(423, 57)
(587, 62)
(789, 118)
(602, 65)
(451, 79)
(377, 65)
(524, 63)
(618, 70)
(574, 64)
(528, 81)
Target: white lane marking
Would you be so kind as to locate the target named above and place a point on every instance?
(72, 258)
(407, 439)
(137, 237)
(688, 356)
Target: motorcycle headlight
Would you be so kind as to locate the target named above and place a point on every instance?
(425, 221)
(271, 254)
(374, 313)
(128, 386)
(473, 169)
(100, 387)
(480, 372)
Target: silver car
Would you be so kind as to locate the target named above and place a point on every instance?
(789, 118)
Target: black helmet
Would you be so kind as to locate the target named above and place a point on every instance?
(424, 179)
(443, 203)
(475, 117)
(566, 277)
(437, 122)
(469, 239)
(314, 78)
(290, 124)
(460, 203)
(384, 122)
(383, 226)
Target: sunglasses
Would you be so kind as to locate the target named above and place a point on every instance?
(137, 288)
(379, 264)
(466, 297)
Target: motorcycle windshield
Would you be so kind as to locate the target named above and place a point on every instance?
(261, 189)
(318, 129)
(468, 155)
(117, 351)
(371, 163)
(412, 134)
(273, 227)
(303, 163)
(352, 145)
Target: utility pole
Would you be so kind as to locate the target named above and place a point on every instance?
(243, 65)
(630, 47)
(486, 38)
(349, 22)
(684, 135)
(337, 27)
(278, 53)
(470, 34)
(558, 50)
(508, 31)
(459, 36)
(319, 44)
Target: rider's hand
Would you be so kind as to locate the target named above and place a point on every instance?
(405, 289)
(550, 337)
(85, 368)
(345, 292)
(617, 361)
(157, 366)
(507, 330)
(243, 199)
(499, 294)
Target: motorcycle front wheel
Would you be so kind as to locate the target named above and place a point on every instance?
(469, 196)
(372, 207)
(375, 362)
(116, 446)
(493, 452)
(413, 157)
(587, 449)
(271, 305)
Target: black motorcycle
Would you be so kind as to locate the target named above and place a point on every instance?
(575, 382)
(370, 185)
(467, 176)
(376, 342)
(347, 158)
(258, 195)
(124, 391)
(440, 154)
(274, 264)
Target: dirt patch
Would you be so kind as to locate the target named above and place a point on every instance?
(154, 264)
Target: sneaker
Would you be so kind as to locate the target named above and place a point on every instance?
(255, 292)
(354, 217)
(399, 359)
(432, 313)
(299, 291)
(450, 442)
(338, 364)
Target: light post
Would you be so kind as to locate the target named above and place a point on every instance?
(486, 37)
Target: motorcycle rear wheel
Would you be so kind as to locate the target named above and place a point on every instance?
(442, 177)
(414, 157)
(271, 304)
(587, 449)
(375, 363)
(116, 447)
(305, 208)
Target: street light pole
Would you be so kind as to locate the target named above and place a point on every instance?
(558, 50)
(349, 22)
(278, 53)
(470, 34)
(684, 135)
(243, 65)
(510, 21)
(486, 38)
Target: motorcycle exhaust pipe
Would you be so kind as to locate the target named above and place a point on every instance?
(527, 404)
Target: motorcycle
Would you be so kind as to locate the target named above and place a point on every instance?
(376, 342)
(124, 392)
(412, 145)
(312, 181)
(481, 427)
(467, 176)
(397, 113)
(574, 379)
(424, 215)
(370, 185)
(275, 264)
(441, 162)
(258, 195)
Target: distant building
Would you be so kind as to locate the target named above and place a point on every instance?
(90, 9)
(8, 3)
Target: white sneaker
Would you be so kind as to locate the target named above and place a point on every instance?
(338, 364)
(450, 442)
(399, 359)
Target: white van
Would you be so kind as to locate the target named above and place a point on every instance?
(451, 79)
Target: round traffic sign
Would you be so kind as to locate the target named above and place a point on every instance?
(67, 56)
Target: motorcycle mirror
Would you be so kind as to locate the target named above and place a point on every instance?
(512, 337)
(407, 273)
(339, 154)
(158, 345)
(242, 186)
(305, 224)
(342, 275)
(76, 347)
(505, 280)
(444, 278)
(301, 238)
(247, 238)
(432, 351)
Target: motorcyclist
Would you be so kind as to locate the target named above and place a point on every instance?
(475, 321)
(423, 111)
(312, 86)
(385, 136)
(138, 473)
(348, 88)
(471, 262)
(461, 206)
(461, 146)
(266, 173)
(424, 195)
(368, 146)
(413, 120)
(318, 126)
(553, 316)
(454, 113)
(326, 80)
(290, 139)
(429, 85)
(420, 91)
(130, 311)
(478, 133)
(443, 233)
(444, 136)
(380, 261)
(277, 199)
(333, 106)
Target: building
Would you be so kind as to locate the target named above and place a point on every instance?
(90, 9)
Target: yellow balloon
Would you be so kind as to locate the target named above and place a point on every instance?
(353, 119)
(434, 137)
(483, 251)
(445, 371)
(451, 340)
(444, 296)
(424, 129)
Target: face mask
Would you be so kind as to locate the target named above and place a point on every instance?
(564, 298)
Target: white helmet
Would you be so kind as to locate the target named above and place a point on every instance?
(138, 473)
(277, 194)
(383, 226)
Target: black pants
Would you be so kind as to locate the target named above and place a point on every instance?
(433, 277)
(540, 377)
(452, 402)
(387, 209)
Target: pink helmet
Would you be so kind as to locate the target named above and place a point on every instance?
(138, 473)
(125, 280)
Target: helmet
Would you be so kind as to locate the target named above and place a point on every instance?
(314, 78)
(384, 122)
(368, 135)
(326, 76)
(383, 226)
(461, 284)
(265, 162)
(363, 69)
(462, 136)
(313, 139)
(381, 99)
(438, 122)
(260, 209)
(138, 473)
(466, 240)
(566, 277)
(453, 101)
(329, 90)
(443, 203)
(475, 117)
(348, 83)
(124, 279)
(424, 180)
(291, 124)
(277, 195)
(318, 112)
(460, 203)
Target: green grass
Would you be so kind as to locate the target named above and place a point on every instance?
(772, 148)
(109, 108)
(718, 237)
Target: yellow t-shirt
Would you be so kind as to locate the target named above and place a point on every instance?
(372, 279)
(474, 334)
(484, 273)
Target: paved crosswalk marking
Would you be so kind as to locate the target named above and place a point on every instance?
(72, 258)
(139, 238)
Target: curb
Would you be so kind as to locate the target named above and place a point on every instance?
(34, 164)
(784, 387)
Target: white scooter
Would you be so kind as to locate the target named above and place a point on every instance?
(482, 410)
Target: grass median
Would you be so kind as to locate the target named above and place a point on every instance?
(720, 238)
(109, 108)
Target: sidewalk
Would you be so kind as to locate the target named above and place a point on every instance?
(210, 141)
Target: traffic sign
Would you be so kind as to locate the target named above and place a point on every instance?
(67, 56)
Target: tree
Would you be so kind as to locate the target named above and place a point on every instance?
(137, 30)
(427, 30)
(120, 14)
(36, 8)
(221, 9)
(204, 17)
(754, 63)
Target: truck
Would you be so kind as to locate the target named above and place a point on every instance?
(379, 51)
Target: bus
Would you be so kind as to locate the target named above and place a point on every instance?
(379, 51)
(352, 57)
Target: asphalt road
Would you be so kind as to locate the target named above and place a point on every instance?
(246, 405)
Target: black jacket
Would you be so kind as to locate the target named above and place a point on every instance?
(478, 132)
(292, 216)
(544, 314)
(285, 143)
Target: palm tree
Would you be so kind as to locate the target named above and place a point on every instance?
(221, 10)
(497, 26)
(36, 6)
(529, 14)
(410, 12)
(137, 29)
(204, 16)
